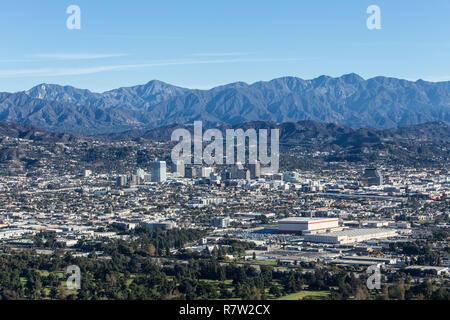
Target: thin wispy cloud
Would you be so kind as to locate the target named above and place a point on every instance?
(50, 72)
(16, 60)
(122, 67)
(63, 56)
(139, 37)
(78, 56)
(220, 54)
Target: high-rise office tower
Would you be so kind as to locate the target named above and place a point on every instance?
(122, 180)
(372, 177)
(190, 172)
(239, 172)
(135, 180)
(159, 171)
(255, 170)
(236, 169)
(225, 175)
(178, 168)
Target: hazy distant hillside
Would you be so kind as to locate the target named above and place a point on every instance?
(377, 103)
(28, 132)
(415, 145)
(308, 130)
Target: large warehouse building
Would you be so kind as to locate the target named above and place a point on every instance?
(307, 225)
(351, 236)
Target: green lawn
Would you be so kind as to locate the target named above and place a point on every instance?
(227, 282)
(303, 294)
(260, 262)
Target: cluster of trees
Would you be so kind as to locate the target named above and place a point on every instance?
(422, 253)
(143, 268)
(403, 289)
(145, 242)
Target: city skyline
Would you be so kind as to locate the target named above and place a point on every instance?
(245, 153)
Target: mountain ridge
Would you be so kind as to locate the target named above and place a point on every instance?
(378, 103)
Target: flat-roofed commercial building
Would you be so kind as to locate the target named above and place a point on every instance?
(363, 261)
(306, 225)
(351, 236)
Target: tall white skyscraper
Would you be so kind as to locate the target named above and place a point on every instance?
(159, 171)
(179, 169)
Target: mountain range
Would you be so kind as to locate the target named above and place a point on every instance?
(350, 100)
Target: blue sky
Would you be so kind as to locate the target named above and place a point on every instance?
(201, 44)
